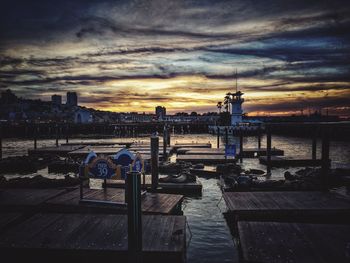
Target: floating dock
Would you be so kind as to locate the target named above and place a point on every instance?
(286, 206)
(266, 242)
(91, 238)
(205, 159)
(283, 161)
(151, 203)
(247, 152)
(61, 150)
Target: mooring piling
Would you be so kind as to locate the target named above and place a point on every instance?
(325, 158)
(0, 141)
(268, 151)
(240, 147)
(56, 135)
(35, 132)
(154, 161)
(165, 139)
(218, 138)
(134, 216)
(314, 146)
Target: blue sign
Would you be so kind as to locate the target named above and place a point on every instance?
(138, 165)
(230, 150)
(102, 168)
(124, 158)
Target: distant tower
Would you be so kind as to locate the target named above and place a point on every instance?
(236, 108)
(236, 105)
(160, 112)
(72, 99)
(56, 100)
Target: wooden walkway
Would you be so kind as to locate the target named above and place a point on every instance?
(205, 159)
(286, 206)
(20, 200)
(191, 145)
(83, 152)
(271, 242)
(247, 152)
(283, 161)
(151, 203)
(62, 150)
(92, 238)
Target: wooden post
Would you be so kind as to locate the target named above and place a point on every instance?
(35, 136)
(165, 138)
(259, 140)
(0, 142)
(56, 135)
(67, 133)
(218, 138)
(268, 150)
(325, 159)
(168, 137)
(154, 161)
(226, 136)
(314, 145)
(241, 147)
(134, 216)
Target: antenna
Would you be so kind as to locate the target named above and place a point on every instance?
(236, 82)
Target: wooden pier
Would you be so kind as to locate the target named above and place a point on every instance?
(267, 242)
(287, 206)
(247, 152)
(61, 150)
(91, 238)
(282, 161)
(205, 159)
(151, 203)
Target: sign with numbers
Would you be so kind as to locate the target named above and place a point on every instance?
(102, 168)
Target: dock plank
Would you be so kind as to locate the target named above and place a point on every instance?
(293, 242)
(151, 203)
(26, 199)
(282, 161)
(247, 152)
(70, 236)
(205, 159)
(284, 206)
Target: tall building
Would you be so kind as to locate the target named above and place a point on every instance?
(72, 99)
(56, 99)
(160, 112)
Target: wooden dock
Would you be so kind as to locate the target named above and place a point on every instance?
(106, 150)
(92, 238)
(194, 188)
(61, 150)
(205, 159)
(151, 203)
(287, 206)
(191, 145)
(283, 161)
(247, 152)
(267, 242)
(22, 200)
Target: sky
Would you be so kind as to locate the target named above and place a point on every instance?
(123, 56)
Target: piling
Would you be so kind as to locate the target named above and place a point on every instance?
(325, 159)
(155, 161)
(134, 216)
(35, 132)
(67, 133)
(165, 138)
(268, 151)
(241, 147)
(0, 141)
(168, 137)
(259, 139)
(226, 136)
(218, 138)
(56, 135)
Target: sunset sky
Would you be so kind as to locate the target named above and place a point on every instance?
(135, 55)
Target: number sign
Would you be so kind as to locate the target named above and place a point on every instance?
(230, 150)
(102, 168)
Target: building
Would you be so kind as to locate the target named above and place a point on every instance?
(83, 116)
(160, 112)
(72, 99)
(56, 100)
(236, 108)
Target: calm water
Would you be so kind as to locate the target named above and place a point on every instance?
(211, 240)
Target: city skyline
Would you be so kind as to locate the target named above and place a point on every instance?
(135, 55)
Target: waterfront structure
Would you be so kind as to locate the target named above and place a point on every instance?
(72, 99)
(160, 112)
(236, 101)
(56, 100)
